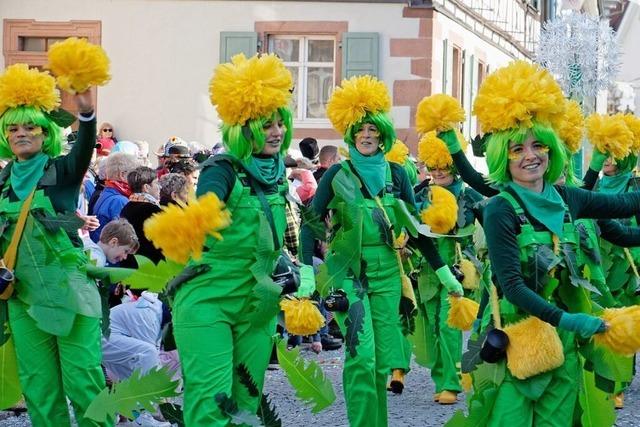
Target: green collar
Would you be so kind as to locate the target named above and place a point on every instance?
(371, 169)
(267, 170)
(547, 206)
(615, 184)
(26, 174)
(455, 188)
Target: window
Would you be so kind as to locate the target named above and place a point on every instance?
(36, 44)
(312, 62)
(457, 73)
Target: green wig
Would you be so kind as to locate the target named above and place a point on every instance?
(244, 140)
(627, 164)
(382, 121)
(52, 144)
(570, 178)
(498, 149)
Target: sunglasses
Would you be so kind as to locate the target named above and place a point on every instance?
(107, 130)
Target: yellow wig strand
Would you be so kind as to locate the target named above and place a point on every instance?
(22, 86)
(301, 316)
(442, 213)
(78, 65)
(399, 153)
(354, 98)
(246, 89)
(534, 347)
(623, 335)
(610, 134)
(514, 96)
(438, 113)
(570, 126)
(462, 313)
(633, 123)
(189, 225)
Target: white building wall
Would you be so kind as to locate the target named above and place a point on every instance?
(629, 38)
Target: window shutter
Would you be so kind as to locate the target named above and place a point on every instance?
(235, 42)
(360, 54)
(469, 90)
(445, 66)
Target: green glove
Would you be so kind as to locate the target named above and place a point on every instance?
(449, 281)
(449, 137)
(307, 282)
(597, 160)
(582, 324)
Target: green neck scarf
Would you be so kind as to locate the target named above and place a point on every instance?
(25, 174)
(372, 169)
(267, 170)
(615, 184)
(547, 206)
(456, 187)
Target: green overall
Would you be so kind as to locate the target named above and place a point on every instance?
(554, 272)
(226, 317)
(54, 319)
(371, 327)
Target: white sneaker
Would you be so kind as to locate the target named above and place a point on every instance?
(146, 420)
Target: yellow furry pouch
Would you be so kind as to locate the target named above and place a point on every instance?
(471, 279)
(623, 335)
(534, 347)
(462, 313)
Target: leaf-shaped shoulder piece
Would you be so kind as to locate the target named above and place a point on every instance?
(153, 277)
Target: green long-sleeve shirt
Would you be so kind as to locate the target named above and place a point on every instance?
(501, 234)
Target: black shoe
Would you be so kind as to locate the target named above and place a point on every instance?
(330, 343)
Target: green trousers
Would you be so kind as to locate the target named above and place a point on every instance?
(377, 348)
(447, 351)
(214, 337)
(52, 368)
(553, 406)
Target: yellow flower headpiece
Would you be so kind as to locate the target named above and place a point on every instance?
(442, 213)
(78, 65)
(570, 125)
(515, 96)
(633, 123)
(354, 98)
(438, 112)
(22, 86)
(247, 89)
(433, 152)
(610, 134)
(399, 153)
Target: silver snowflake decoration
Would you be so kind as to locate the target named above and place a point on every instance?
(581, 52)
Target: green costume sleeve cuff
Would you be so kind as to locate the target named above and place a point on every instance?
(582, 324)
(449, 281)
(597, 160)
(451, 140)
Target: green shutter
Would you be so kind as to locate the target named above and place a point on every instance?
(235, 42)
(445, 65)
(360, 54)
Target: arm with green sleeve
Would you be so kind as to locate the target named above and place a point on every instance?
(504, 254)
(619, 234)
(217, 178)
(72, 167)
(589, 204)
(595, 166)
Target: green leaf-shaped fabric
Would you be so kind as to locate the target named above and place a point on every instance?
(153, 277)
(596, 405)
(354, 325)
(10, 391)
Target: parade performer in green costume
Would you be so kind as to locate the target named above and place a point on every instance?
(531, 217)
(54, 310)
(225, 311)
(446, 349)
(371, 201)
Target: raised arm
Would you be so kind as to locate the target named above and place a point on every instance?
(74, 165)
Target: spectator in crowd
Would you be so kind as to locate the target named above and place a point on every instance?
(105, 140)
(143, 203)
(309, 149)
(304, 183)
(174, 188)
(116, 192)
(143, 152)
(172, 151)
(117, 240)
(329, 156)
(187, 167)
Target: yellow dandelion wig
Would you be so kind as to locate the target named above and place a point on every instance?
(301, 316)
(633, 123)
(433, 152)
(24, 86)
(190, 225)
(442, 213)
(462, 313)
(514, 96)
(247, 89)
(570, 126)
(399, 153)
(439, 113)
(610, 134)
(534, 347)
(623, 335)
(78, 65)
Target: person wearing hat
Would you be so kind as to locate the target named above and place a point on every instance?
(171, 152)
(52, 308)
(540, 303)
(370, 200)
(225, 311)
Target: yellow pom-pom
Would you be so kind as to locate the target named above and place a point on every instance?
(354, 98)
(534, 347)
(633, 123)
(439, 113)
(570, 125)
(78, 65)
(399, 153)
(20, 86)
(462, 313)
(301, 316)
(442, 213)
(515, 96)
(610, 134)
(246, 89)
(471, 277)
(432, 151)
(623, 335)
(189, 225)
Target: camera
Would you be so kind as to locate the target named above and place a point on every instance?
(457, 272)
(337, 301)
(6, 277)
(287, 279)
